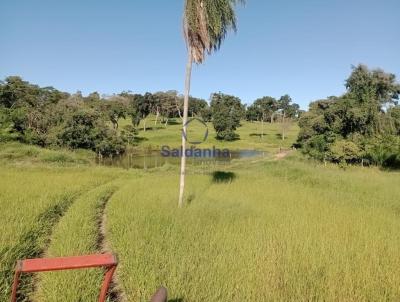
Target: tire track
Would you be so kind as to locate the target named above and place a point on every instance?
(32, 244)
(77, 233)
(116, 292)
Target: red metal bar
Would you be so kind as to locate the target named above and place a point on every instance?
(108, 261)
(106, 283)
(16, 281)
(65, 263)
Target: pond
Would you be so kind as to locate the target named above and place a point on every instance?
(153, 159)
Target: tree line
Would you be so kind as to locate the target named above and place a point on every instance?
(45, 116)
(362, 126)
(48, 117)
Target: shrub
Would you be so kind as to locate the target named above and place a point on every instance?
(344, 151)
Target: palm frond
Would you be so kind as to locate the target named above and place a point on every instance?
(206, 24)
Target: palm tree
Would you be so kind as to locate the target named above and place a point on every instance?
(205, 25)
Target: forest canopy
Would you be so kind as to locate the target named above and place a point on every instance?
(48, 117)
(361, 126)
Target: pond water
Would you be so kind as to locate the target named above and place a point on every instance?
(153, 159)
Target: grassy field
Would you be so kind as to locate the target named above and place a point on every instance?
(32, 199)
(249, 132)
(27, 155)
(83, 218)
(254, 230)
(275, 231)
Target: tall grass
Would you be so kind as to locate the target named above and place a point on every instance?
(277, 231)
(32, 199)
(17, 153)
(77, 233)
(257, 230)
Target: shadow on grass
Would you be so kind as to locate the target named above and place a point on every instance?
(256, 134)
(231, 139)
(190, 198)
(150, 128)
(174, 122)
(141, 139)
(176, 300)
(223, 177)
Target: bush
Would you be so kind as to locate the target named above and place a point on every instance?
(110, 145)
(344, 151)
(128, 133)
(316, 147)
(392, 161)
(227, 135)
(80, 130)
(18, 119)
(384, 151)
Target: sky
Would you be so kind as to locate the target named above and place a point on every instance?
(302, 48)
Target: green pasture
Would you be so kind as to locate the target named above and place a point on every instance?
(253, 230)
(157, 135)
(274, 231)
(32, 200)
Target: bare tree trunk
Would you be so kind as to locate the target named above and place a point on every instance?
(283, 126)
(184, 121)
(144, 125)
(179, 111)
(262, 127)
(157, 115)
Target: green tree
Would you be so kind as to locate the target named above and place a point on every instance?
(139, 107)
(81, 129)
(86, 129)
(129, 133)
(252, 113)
(344, 151)
(351, 127)
(227, 112)
(167, 104)
(370, 91)
(394, 122)
(265, 108)
(115, 110)
(205, 25)
(93, 97)
(197, 106)
(287, 108)
(206, 114)
(15, 92)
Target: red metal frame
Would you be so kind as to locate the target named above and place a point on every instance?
(108, 261)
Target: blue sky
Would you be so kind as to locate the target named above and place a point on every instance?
(303, 48)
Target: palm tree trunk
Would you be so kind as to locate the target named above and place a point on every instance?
(184, 121)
